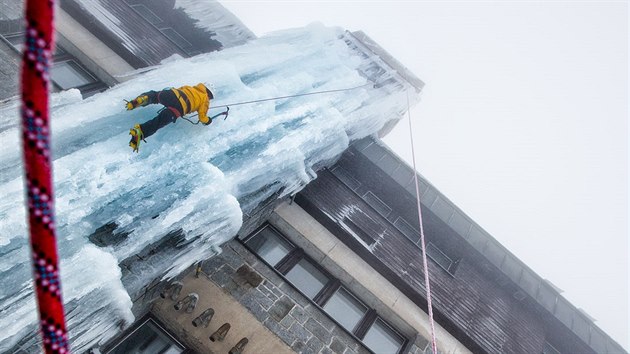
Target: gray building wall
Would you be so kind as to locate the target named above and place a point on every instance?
(281, 308)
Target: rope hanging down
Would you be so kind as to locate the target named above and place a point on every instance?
(424, 250)
(37, 167)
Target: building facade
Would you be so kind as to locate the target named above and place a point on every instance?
(337, 269)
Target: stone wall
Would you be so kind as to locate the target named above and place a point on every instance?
(297, 321)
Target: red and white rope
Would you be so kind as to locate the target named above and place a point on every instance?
(37, 54)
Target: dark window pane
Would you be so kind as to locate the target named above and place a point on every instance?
(148, 338)
(381, 339)
(345, 309)
(407, 230)
(68, 74)
(438, 256)
(345, 177)
(176, 37)
(269, 245)
(376, 203)
(307, 278)
(146, 13)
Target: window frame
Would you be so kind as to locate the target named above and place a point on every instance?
(118, 340)
(60, 55)
(146, 13)
(281, 236)
(74, 65)
(297, 254)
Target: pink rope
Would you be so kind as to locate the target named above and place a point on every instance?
(37, 167)
(424, 250)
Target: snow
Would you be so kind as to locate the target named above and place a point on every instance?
(190, 177)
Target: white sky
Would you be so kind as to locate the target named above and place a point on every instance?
(523, 124)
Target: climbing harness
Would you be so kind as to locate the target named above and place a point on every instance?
(35, 80)
(424, 250)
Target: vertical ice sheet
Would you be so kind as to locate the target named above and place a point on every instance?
(186, 177)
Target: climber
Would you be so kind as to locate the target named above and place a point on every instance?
(177, 103)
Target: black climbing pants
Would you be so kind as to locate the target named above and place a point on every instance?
(172, 110)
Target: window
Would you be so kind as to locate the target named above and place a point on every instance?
(269, 245)
(69, 74)
(146, 13)
(66, 72)
(438, 256)
(434, 253)
(176, 38)
(325, 291)
(407, 230)
(345, 177)
(307, 278)
(376, 203)
(381, 338)
(148, 338)
(345, 309)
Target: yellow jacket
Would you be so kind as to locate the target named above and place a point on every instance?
(194, 99)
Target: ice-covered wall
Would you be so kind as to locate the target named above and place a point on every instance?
(190, 177)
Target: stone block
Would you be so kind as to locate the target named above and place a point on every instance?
(247, 275)
(230, 257)
(281, 308)
(346, 339)
(326, 350)
(300, 332)
(313, 346)
(299, 314)
(274, 289)
(257, 310)
(278, 330)
(212, 265)
(222, 276)
(287, 321)
(338, 346)
(235, 289)
(318, 330)
(268, 293)
(298, 346)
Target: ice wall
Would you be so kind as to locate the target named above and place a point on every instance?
(190, 177)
